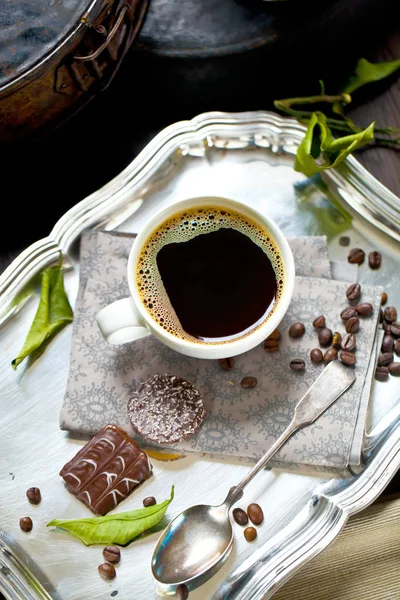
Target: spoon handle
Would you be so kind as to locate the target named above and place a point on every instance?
(236, 492)
(331, 383)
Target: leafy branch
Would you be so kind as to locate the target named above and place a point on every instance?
(322, 147)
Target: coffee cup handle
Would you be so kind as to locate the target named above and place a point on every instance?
(120, 322)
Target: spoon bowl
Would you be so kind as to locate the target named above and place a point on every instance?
(203, 539)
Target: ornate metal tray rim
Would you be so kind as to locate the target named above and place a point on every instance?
(326, 513)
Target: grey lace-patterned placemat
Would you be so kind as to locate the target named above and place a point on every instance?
(240, 423)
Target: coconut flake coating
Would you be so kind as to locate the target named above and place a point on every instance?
(166, 409)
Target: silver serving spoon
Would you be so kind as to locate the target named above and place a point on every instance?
(199, 540)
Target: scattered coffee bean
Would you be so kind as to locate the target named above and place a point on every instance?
(347, 358)
(336, 339)
(149, 501)
(297, 330)
(297, 364)
(397, 347)
(112, 554)
(275, 335)
(33, 495)
(394, 368)
(325, 336)
(380, 315)
(364, 309)
(390, 314)
(255, 513)
(356, 256)
(330, 355)
(182, 592)
(347, 313)
(395, 329)
(316, 355)
(240, 516)
(374, 259)
(384, 359)
(26, 524)
(226, 363)
(271, 345)
(248, 382)
(348, 343)
(352, 325)
(353, 291)
(386, 328)
(384, 298)
(387, 344)
(381, 373)
(319, 322)
(107, 571)
(250, 533)
(344, 240)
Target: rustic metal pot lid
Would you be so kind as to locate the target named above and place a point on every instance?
(208, 28)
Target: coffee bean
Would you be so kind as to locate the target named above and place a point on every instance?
(271, 345)
(240, 516)
(352, 325)
(319, 322)
(250, 533)
(390, 314)
(387, 343)
(107, 571)
(384, 298)
(226, 363)
(330, 355)
(316, 355)
(347, 358)
(33, 495)
(297, 364)
(374, 259)
(248, 382)
(381, 373)
(353, 291)
(348, 343)
(347, 313)
(394, 368)
(344, 240)
(26, 524)
(296, 330)
(112, 554)
(275, 335)
(386, 328)
(181, 592)
(255, 513)
(325, 336)
(397, 347)
(384, 359)
(380, 315)
(149, 501)
(364, 309)
(356, 256)
(395, 329)
(336, 339)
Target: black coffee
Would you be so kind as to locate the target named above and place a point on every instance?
(219, 272)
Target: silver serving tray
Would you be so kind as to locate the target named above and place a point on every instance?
(246, 156)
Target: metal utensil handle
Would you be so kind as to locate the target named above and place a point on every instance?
(236, 492)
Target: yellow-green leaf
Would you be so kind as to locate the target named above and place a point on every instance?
(118, 529)
(366, 72)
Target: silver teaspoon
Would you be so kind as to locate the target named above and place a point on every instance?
(195, 545)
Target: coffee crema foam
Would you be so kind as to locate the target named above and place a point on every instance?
(183, 227)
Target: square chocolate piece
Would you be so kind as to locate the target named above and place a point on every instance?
(106, 470)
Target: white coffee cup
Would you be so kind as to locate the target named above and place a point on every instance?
(128, 320)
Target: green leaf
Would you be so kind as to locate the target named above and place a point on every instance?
(332, 151)
(53, 313)
(367, 72)
(118, 529)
